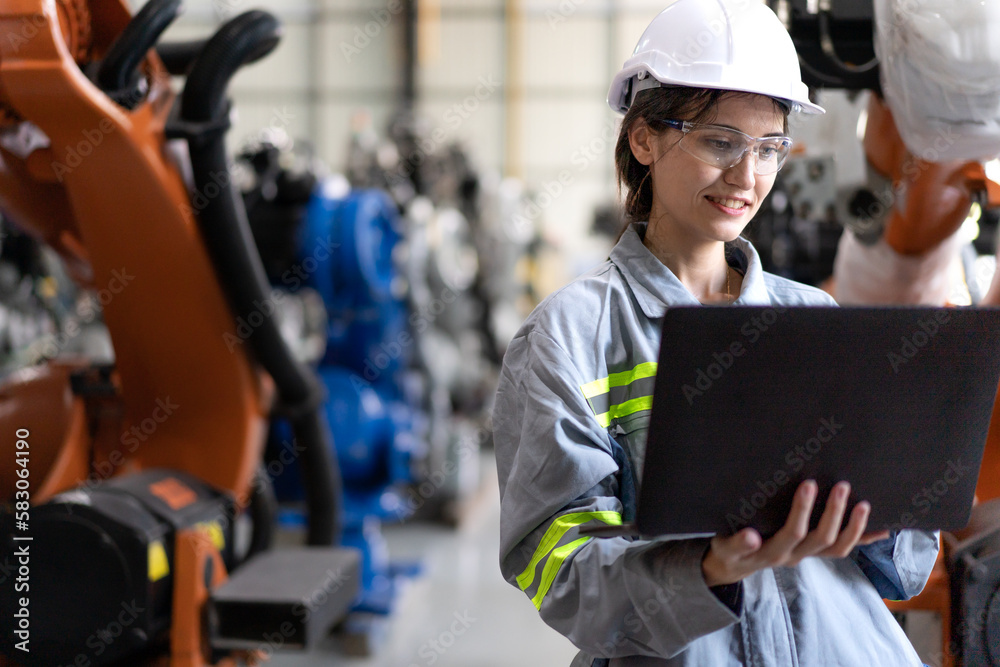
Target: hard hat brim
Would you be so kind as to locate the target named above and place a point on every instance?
(619, 92)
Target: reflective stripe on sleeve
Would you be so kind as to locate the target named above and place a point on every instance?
(550, 540)
(625, 409)
(604, 385)
(552, 566)
(621, 394)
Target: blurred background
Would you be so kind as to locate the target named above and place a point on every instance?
(416, 176)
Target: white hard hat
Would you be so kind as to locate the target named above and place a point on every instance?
(726, 44)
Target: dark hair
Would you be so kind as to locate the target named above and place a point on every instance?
(697, 105)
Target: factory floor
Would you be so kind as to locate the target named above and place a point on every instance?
(459, 612)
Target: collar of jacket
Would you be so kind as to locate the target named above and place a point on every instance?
(655, 286)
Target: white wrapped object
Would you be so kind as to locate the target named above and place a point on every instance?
(940, 70)
(877, 274)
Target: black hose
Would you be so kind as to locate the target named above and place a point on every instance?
(320, 476)
(223, 222)
(247, 37)
(263, 511)
(131, 46)
(826, 44)
(178, 57)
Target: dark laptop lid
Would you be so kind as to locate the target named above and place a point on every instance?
(749, 402)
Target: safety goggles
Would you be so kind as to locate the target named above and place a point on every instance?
(724, 147)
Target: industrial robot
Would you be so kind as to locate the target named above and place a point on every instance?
(135, 522)
(933, 76)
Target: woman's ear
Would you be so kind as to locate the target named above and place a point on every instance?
(640, 140)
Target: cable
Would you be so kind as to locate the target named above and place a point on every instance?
(130, 47)
(224, 226)
(826, 43)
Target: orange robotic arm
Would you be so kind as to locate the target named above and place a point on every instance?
(180, 420)
(107, 196)
(919, 204)
(933, 197)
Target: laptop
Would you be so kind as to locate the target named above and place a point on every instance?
(751, 401)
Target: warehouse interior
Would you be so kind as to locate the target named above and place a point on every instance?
(382, 192)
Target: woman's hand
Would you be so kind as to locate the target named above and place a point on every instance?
(730, 559)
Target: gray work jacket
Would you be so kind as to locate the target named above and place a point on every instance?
(570, 422)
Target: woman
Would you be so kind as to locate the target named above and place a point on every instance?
(706, 98)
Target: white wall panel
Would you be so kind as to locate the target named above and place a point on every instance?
(286, 69)
(568, 134)
(570, 53)
(219, 10)
(355, 52)
(466, 49)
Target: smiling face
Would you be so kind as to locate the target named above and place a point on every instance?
(695, 203)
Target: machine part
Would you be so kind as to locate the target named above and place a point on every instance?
(23, 139)
(941, 75)
(974, 569)
(348, 255)
(303, 321)
(83, 208)
(351, 242)
(359, 415)
(867, 213)
(162, 327)
(506, 237)
(25, 315)
(834, 41)
(371, 340)
(281, 185)
(303, 592)
(829, 48)
(263, 515)
(74, 18)
(455, 260)
(118, 73)
(455, 471)
(178, 57)
(921, 206)
(199, 570)
(374, 447)
(750, 51)
(103, 556)
(798, 227)
(876, 273)
(75, 26)
(928, 201)
(227, 236)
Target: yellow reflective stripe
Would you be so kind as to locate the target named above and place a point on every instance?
(604, 385)
(631, 407)
(552, 566)
(625, 409)
(555, 532)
